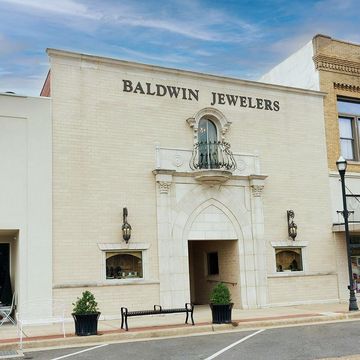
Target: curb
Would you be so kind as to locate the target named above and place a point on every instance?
(153, 333)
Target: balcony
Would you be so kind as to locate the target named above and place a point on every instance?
(213, 162)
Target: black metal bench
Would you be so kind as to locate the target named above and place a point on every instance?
(125, 313)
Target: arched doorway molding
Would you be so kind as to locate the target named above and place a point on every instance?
(179, 200)
(237, 211)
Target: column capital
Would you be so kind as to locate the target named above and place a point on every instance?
(257, 184)
(164, 187)
(257, 190)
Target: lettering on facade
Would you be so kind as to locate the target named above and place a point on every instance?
(161, 90)
(183, 93)
(244, 101)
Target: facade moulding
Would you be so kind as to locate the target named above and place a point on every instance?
(346, 87)
(123, 246)
(104, 284)
(301, 274)
(348, 175)
(256, 180)
(340, 228)
(217, 116)
(327, 63)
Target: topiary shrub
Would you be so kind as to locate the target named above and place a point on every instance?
(86, 304)
(220, 295)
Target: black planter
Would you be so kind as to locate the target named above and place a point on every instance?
(86, 324)
(221, 314)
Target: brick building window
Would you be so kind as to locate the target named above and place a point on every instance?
(124, 265)
(349, 122)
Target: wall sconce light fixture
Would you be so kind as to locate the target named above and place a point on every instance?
(126, 228)
(292, 227)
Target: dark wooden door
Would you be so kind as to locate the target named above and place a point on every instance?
(5, 285)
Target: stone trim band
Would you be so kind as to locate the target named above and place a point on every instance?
(328, 63)
(346, 87)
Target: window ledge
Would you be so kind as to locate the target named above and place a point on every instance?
(107, 283)
(115, 282)
(289, 244)
(298, 274)
(287, 274)
(123, 246)
(353, 162)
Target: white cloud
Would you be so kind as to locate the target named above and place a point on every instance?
(163, 58)
(8, 46)
(4, 72)
(64, 7)
(336, 5)
(200, 25)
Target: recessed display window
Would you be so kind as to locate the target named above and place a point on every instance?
(288, 259)
(124, 265)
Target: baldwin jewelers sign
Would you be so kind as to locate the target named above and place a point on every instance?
(182, 93)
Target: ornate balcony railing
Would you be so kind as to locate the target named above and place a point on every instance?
(212, 155)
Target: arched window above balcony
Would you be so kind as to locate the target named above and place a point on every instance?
(207, 144)
(221, 123)
(207, 131)
(211, 151)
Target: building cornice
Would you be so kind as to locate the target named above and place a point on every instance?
(329, 63)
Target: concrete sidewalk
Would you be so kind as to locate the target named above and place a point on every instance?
(154, 326)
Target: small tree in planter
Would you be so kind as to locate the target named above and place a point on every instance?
(86, 315)
(220, 304)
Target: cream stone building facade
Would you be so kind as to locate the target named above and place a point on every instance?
(206, 166)
(333, 66)
(127, 135)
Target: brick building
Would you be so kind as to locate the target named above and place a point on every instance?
(333, 67)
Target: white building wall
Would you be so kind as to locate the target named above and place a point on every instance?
(26, 193)
(298, 70)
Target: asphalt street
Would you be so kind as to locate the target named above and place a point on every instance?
(298, 343)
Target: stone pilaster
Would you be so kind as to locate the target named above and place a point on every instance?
(257, 219)
(164, 182)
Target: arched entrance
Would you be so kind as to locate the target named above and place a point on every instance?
(211, 262)
(213, 254)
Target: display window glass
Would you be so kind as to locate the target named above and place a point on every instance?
(124, 265)
(288, 259)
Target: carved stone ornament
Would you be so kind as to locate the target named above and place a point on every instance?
(164, 187)
(178, 160)
(257, 190)
(328, 63)
(241, 165)
(347, 87)
(222, 123)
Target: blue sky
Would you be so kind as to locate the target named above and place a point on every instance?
(237, 38)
